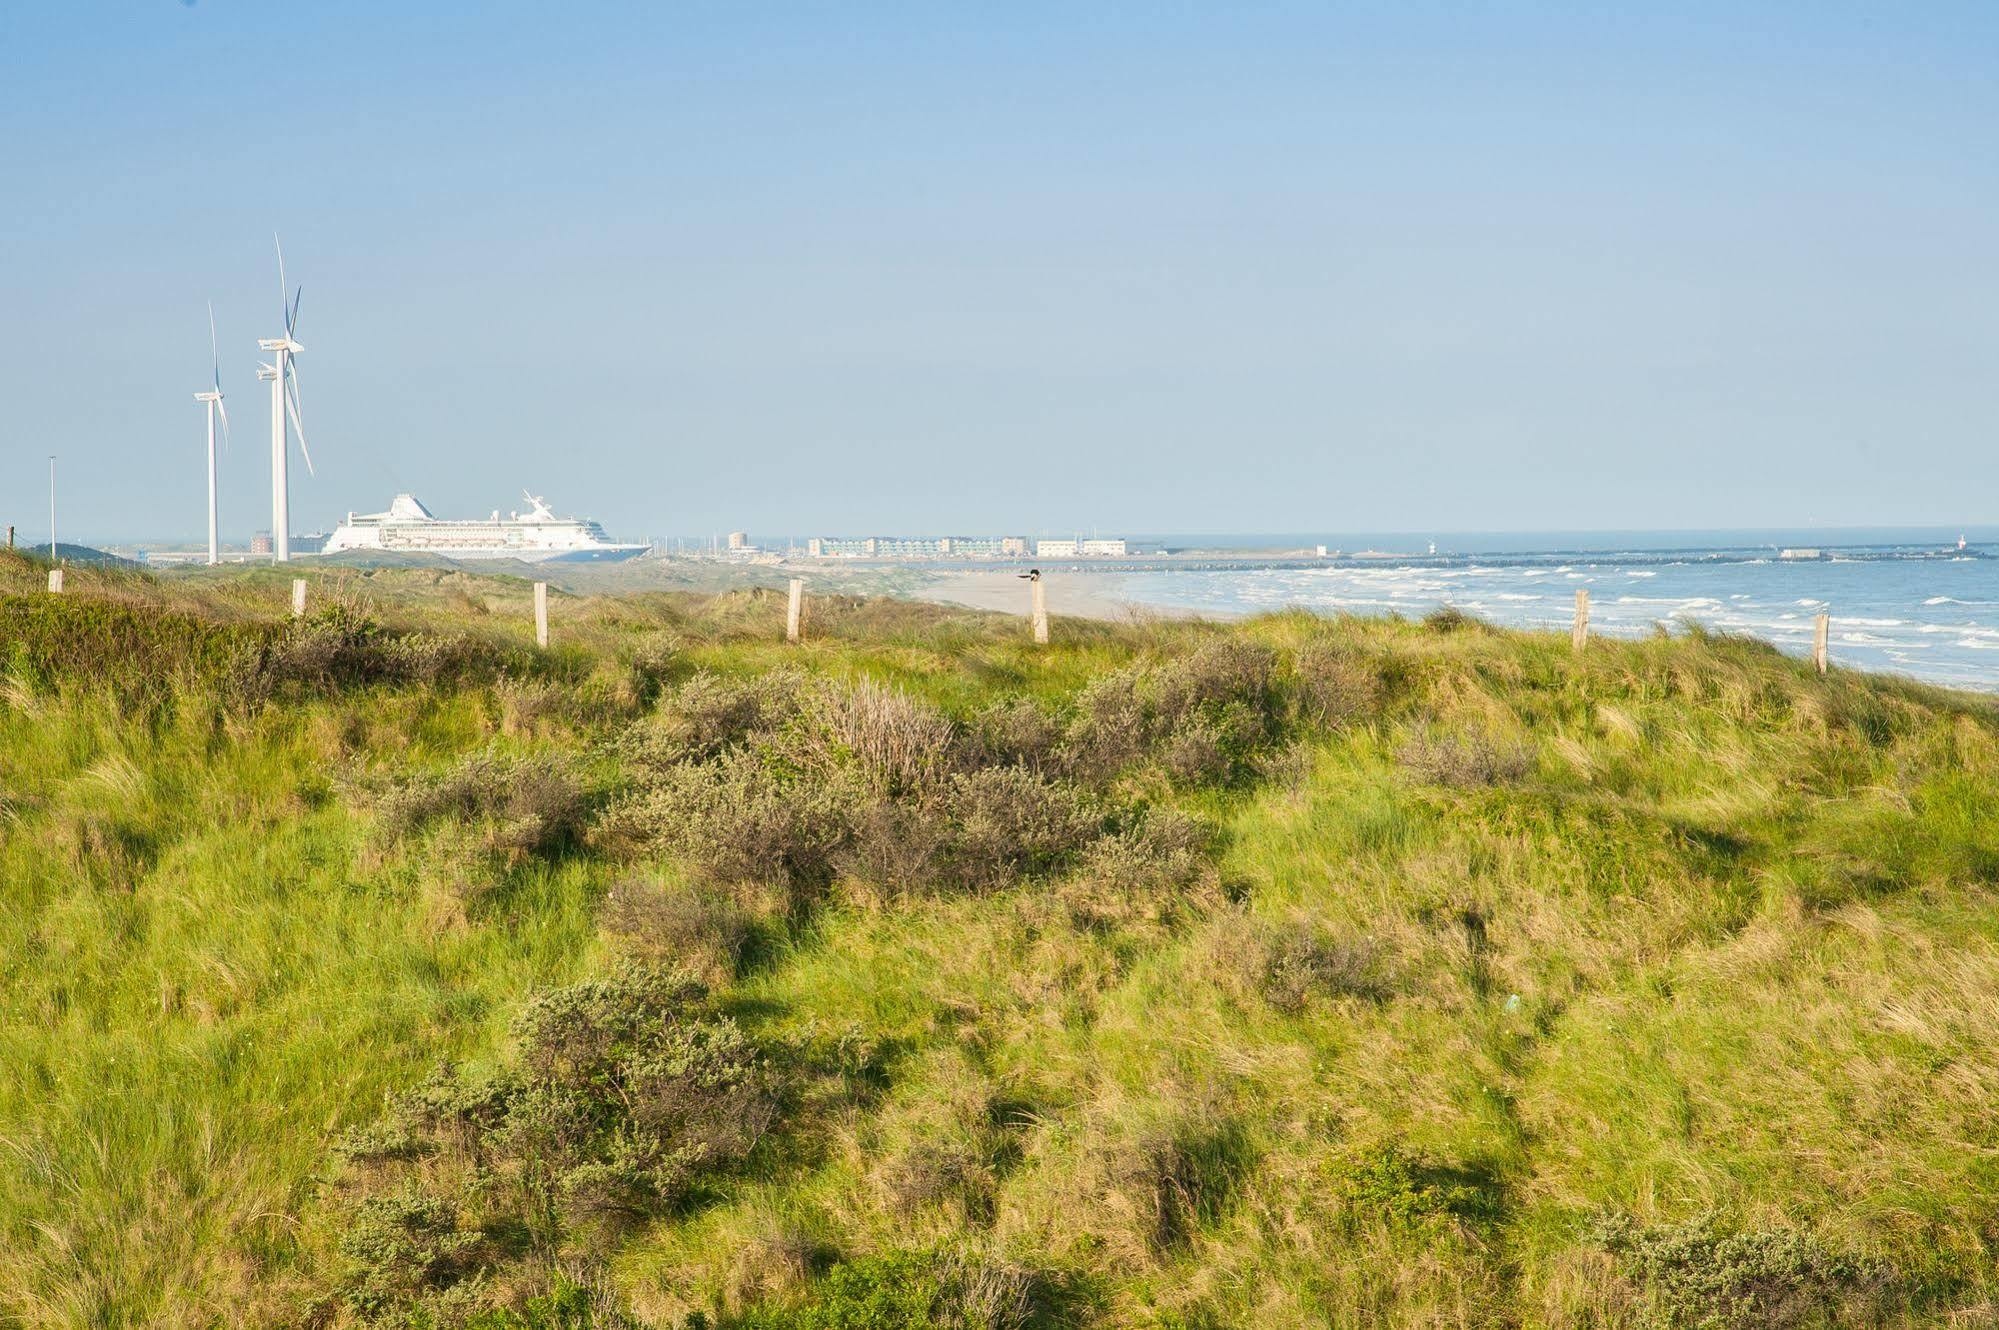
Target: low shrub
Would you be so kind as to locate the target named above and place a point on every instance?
(527, 805)
(1143, 873)
(705, 931)
(622, 1093)
(1299, 963)
(340, 646)
(1466, 760)
(403, 1248)
(1014, 732)
(1228, 672)
(529, 707)
(736, 819)
(896, 845)
(1336, 686)
(896, 744)
(1203, 716)
(902, 1290)
(1451, 619)
(1699, 1275)
(133, 650)
(710, 713)
(652, 663)
(1007, 822)
(1413, 1194)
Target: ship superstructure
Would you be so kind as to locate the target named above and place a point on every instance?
(535, 536)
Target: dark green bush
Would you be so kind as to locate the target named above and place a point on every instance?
(1699, 1275)
(399, 1247)
(621, 1095)
(1413, 1194)
(910, 1291)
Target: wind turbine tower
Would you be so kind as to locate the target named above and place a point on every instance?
(283, 378)
(213, 397)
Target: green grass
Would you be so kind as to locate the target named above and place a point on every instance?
(1716, 960)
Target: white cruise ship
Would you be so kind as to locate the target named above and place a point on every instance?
(535, 536)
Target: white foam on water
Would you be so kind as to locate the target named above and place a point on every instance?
(1639, 572)
(1808, 602)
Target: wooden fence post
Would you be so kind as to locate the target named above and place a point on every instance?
(55, 581)
(10, 535)
(298, 598)
(795, 610)
(1579, 633)
(1821, 633)
(541, 614)
(1039, 593)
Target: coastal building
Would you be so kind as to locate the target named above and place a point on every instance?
(916, 547)
(740, 540)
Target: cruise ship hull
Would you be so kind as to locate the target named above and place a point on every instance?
(538, 536)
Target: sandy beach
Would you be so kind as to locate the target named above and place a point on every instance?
(1077, 595)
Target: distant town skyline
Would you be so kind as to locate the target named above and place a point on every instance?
(1017, 271)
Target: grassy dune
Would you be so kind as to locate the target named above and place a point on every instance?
(382, 970)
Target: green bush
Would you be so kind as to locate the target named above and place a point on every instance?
(1414, 1194)
(909, 1291)
(622, 1093)
(1699, 1275)
(529, 805)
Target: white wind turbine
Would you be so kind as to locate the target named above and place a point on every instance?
(213, 397)
(283, 378)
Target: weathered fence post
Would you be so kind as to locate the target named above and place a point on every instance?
(10, 535)
(298, 598)
(1039, 593)
(55, 581)
(795, 610)
(1821, 633)
(1579, 633)
(541, 614)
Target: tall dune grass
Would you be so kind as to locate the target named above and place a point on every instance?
(1398, 973)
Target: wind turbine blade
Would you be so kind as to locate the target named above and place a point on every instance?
(283, 286)
(291, 318)
(212, 350)
(291, 409)
(225, 423)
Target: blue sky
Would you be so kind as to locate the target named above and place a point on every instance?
(1011, 268)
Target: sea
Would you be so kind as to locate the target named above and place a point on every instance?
(1905, 601)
